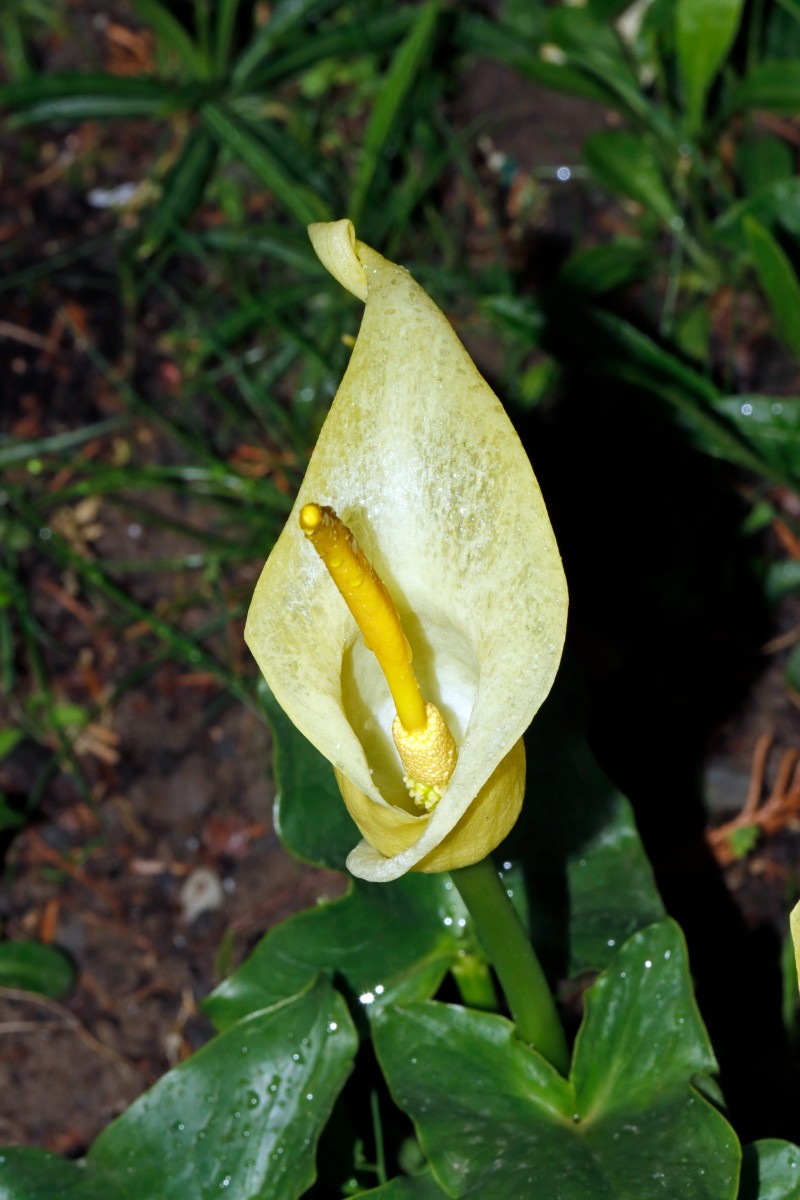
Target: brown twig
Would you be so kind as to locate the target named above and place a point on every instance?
(780, 807)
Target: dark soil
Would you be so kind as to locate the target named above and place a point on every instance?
(178, 789)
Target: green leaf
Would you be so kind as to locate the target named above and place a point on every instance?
(763, 160)
(777, 203)
(624, 352)
(771, 85)
(27, 1174)
(743, 840)
(170, 32)
(9, 738)
(625, 163)
(85, 97)
(770, 1171)
(270, 240)
(704, 33)
(183, 189)
(10, 818)
(423, 1187)
(388, 943)
(310, 817)
(285, 17)
(241, 1118)
(592, 45)
(224, 31)
(243, 141)
(594, 270)
(584, 865)
(771, 424)
(782, 579)
(520, 315)
(495, 1120)
(793, 669)
(35, 967)
(477, 34)
(778, 280)
(389, 102)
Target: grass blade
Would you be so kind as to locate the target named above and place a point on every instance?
(242, 141)
(778, 279)
(83, 97)
(395, 89)
(170, 32)
(183, 190)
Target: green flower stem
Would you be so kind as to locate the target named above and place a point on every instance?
(521, 977)
(474, 981)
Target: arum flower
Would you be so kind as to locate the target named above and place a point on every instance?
(435, 552)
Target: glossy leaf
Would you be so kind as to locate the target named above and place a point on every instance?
(35, 967)
(588, 884)
(625, 163)
(241, 1118)
(28, 1174)
(704, 33)
(495, 1120)
(387, 944)
(423, 1187)
(310, 818)
(778, 279)
(770, 1171)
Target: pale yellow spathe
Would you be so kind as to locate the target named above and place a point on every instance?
(419, 459)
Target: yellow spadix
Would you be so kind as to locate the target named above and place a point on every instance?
(419, 460)
(424, 742)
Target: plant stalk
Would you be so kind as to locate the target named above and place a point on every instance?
(514, 959)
